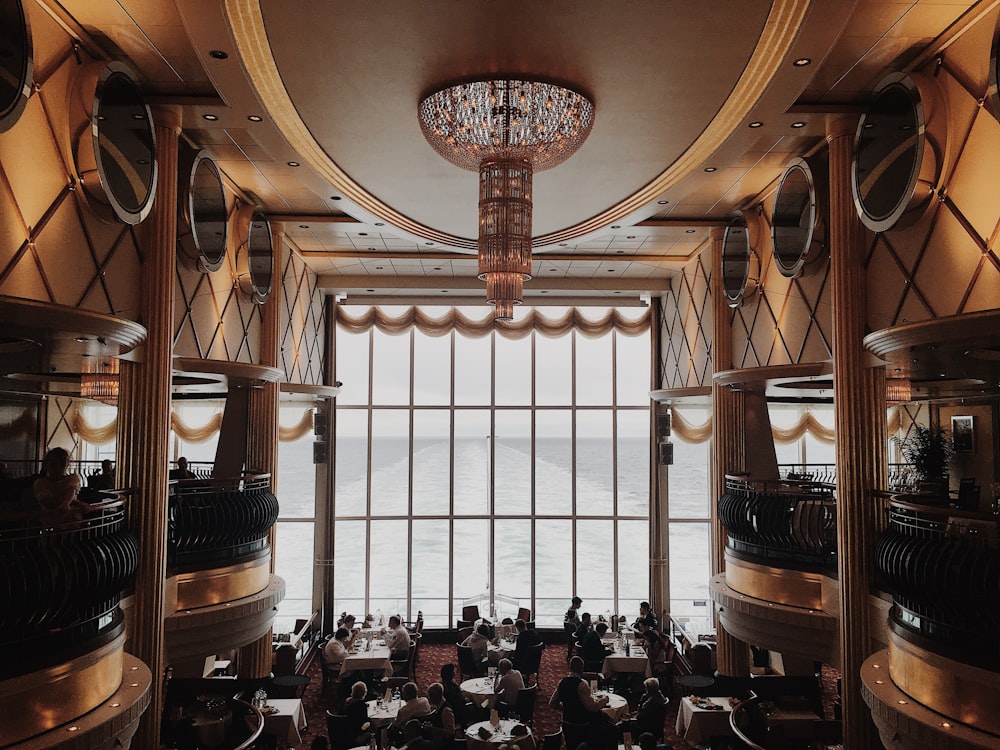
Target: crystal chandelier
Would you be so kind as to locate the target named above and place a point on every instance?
(100, 381)
(898, 390)
(505, 129)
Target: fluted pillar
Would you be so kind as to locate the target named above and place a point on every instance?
(859, 411)
(144, 418)
(659, 539)
(727, 450)
(262, 444)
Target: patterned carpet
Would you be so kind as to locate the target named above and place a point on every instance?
(547, 720)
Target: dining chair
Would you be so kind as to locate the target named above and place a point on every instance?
(533, 663)
(569, 629)
(525, 706)
(464, 633)
(416, 640)
(553, 741)
(338, 730)
(523, 613)
(470, 612)
(467, 665)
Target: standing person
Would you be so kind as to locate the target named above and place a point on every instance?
(573, 613)
(453, 693)
(527, 639)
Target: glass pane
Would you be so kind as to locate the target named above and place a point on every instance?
(195, 416)
(471, 559)
(633, 566)
(297, 474)
(389, 566)
(473, 368)
(554, 560)
(293, 561)
(553, 462)
(593, 370)
(594, 570)
(391, 369)
(352, 357)
(351, 462)
(390, 462)
(350, 571)
(431, 462)
(594, 454)
(512, 469)
(689, 574)
(513, 371)
(431, 546)
(553, 370)
(632, 369)
(688, 485)
(512, 561)
(431, 369)
(472, 429)
(633, 463)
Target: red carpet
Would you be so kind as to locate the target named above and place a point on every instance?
(547, 720)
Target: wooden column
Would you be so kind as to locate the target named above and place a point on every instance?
(144, 418)
(659, 540)
(262, 445)
(859, 411)
(727, 450)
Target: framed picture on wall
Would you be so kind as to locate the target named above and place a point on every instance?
(962, 435)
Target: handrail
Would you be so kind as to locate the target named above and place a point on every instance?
(741, 708)
(256, 730)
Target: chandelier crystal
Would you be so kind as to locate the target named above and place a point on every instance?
(100, 381)
(506, 130)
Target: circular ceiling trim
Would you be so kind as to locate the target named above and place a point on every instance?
(738, 278)
(116, 151)
(993, 93)
(16, 68)
(202, 213)
(245, 19)
(798, 220)
(257, 281)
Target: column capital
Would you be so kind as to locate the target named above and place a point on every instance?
(840, 125)
(167, 116)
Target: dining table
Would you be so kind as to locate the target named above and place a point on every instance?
(502, 649)
(365, 659)
(383, 712)
(478, 690)
(285, 719)
(617, 708)
(485, 736)
(635, 662)
(701, 718)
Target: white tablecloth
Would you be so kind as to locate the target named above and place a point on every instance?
(287, 723)
(699, 725)
(385, 713)
(375, 660)
(478, 689)
(500, 736)
(617, 707)
(636, 662)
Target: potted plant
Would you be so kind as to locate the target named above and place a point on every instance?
(929, 450)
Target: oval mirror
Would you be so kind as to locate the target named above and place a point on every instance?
(891, 155)
(116, 158)
(260, 258)
(203, 219)
(15, 62)
(796, 223)
(736, 263)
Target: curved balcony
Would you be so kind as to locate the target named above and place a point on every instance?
(62, 630)
(220, 588)
(779, 589)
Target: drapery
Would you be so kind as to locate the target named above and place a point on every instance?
(458, 321)
(102, 434)
(806, 424)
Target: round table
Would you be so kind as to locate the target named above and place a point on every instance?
(499, 736)
(617, 707)
(695, 681)
(383, 713)
(288, 685)
(479, 689)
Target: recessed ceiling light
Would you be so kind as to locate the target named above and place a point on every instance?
(616, 226)
(255, 118)
(663, 203)
(798, 124)
(138, 116)
(611, 270)
(617, 292)
(710, 169)
(428, 243)
(437, 268)
(369, 290)
(620, 252)
(630, 237)
(379, 224)
(755, 124)
(142, 161)
(544, 291)
(553, 270)
(802, 62)
(218, 54)
(293, 164)
(379, 268)
(362, 234)
(303, 226)
(689, 231)
(210, 118)
(563, 244)
(335, 197)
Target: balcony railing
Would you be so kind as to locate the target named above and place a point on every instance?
(781, 521)
(216, 521)
(61, 583)
(942, 567)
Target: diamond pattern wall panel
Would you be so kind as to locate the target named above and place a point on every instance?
(302, 323)
(686, 328)
(52, 247)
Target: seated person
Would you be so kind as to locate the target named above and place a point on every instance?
(592, 649)
(580, 711)
(526, 640)
(413, 705)
(335, 650)
(479, 642)
(356, 711)
(582, 628)
(509, 683)
(657, 651)
(396, 638)
(442, 718)
(646, 617)
(182, 471)
(56, 489)
(103, 480)
(650, 710)
(453, 693)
